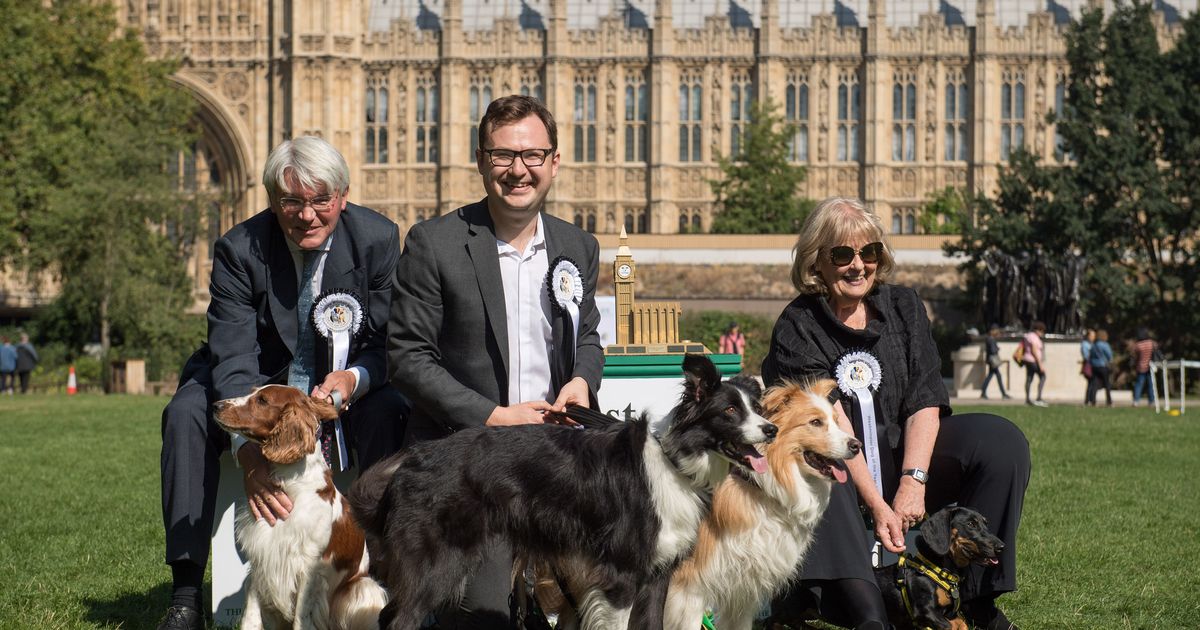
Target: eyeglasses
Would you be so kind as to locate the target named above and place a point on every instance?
(843, 255)
(529, 157)
(320, 203)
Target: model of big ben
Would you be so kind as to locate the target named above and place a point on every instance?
(643, 328)
(623, 278)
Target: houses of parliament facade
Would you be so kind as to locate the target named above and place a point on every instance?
(891, 99)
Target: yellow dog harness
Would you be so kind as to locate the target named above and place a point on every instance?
(940, 576)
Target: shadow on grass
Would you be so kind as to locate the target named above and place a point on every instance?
(131, 610)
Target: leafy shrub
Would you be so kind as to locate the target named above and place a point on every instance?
(707, 326)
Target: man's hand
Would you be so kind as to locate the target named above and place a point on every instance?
(341, 381)
(575, 392)
(266, 499)
(524, 413)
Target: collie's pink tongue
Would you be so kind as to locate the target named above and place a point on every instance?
(839, 474)
(758, 463)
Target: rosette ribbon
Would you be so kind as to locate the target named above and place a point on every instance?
(338, 317)
(858, 373)
(565, 285)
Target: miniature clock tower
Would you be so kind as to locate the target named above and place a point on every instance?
(643, 328)
(624, 271)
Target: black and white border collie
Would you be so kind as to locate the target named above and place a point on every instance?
(617, 502)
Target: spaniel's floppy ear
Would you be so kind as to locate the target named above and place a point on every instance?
(321, 409)
(701, 377)
(294, 436)
(936, 532)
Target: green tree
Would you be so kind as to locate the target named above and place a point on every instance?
(945, 212)
(90, 126)
(1126, 196)
(757, 194)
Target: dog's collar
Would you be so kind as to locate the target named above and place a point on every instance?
(940, 576)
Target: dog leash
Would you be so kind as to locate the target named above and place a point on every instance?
(940, 576)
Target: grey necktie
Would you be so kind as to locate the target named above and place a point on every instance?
(303, 367)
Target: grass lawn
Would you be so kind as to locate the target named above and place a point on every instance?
(1110, 537)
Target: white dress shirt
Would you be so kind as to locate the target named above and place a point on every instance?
(527, 311)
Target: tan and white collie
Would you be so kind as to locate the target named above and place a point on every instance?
(761, 523)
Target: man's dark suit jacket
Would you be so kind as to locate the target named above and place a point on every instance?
(448, 333)
(252, 323)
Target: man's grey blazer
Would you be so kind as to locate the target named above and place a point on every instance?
(448, 335)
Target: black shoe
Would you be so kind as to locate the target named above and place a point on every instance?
(182, 618)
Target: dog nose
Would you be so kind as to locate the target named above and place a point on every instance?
(999, 547)
(220, 405)
(854, 445)
(770, 431)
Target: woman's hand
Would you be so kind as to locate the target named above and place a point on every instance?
(888, 528)
(909, 504)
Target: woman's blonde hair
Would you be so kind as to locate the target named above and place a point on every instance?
(836, 221)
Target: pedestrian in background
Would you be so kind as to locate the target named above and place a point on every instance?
(1143, 352)
(732, 340)
(8, 365)
(992, 358)
(1085, 365)
(27, 359)
(1033, 357)
(1099, 358)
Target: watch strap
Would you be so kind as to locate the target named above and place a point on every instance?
(916, 473)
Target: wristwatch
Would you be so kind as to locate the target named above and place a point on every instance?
(916, 473)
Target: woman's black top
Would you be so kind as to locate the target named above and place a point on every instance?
(807, 343)
(809, 340)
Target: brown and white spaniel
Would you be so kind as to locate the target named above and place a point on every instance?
(309, 570)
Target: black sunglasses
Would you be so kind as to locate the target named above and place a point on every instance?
(843, 255)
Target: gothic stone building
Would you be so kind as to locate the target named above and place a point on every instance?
(892, 99)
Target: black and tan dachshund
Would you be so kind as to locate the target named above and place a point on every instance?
(921, 590)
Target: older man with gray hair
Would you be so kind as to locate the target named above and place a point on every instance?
(272, 275)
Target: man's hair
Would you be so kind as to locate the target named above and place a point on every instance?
(834, 222)
(311, 161)
(507, 110)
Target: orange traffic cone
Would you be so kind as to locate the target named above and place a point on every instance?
(71, 386)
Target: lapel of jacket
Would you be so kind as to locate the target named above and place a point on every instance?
(481, 246)
(281, 280)
(339, 271)
(562, 354)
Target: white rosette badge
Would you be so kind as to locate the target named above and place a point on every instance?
(565, 285)
(858, 374)
(338, 317)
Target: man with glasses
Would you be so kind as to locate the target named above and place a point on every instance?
(493, 316)
(267, 275)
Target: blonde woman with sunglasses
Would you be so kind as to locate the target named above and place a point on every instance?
(873, 337)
